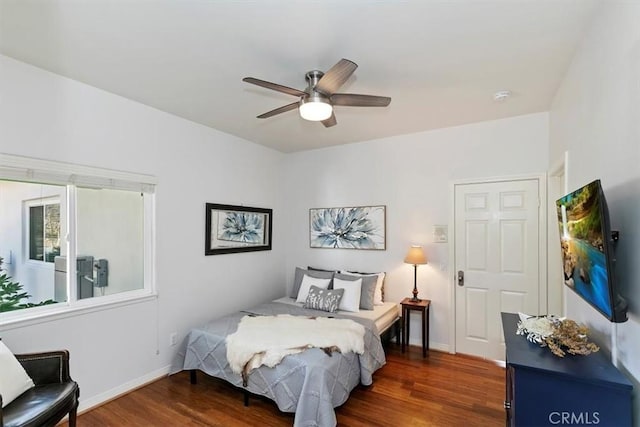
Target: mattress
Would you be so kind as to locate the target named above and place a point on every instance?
(383, 316)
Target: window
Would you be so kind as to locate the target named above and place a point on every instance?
(72, 237)
(44, 230)
(110, 230)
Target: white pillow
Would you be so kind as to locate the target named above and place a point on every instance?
(13, 378)
(306, 284)
(351, 298)
(377, 296)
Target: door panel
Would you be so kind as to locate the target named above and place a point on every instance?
(477, 238)
(512, 246)
(497, 248)
(476, 314)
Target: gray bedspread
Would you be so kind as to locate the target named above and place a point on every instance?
(310, 383)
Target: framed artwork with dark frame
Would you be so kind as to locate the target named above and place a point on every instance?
(360, 227)
(231, 229)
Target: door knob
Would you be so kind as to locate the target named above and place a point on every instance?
(460, 278)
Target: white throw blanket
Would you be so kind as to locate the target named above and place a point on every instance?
(266, 340)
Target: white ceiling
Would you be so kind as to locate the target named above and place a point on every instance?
(440, 61)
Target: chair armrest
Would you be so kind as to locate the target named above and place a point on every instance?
(51, 367)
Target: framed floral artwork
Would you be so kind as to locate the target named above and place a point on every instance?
(232, 229)
(360, 227)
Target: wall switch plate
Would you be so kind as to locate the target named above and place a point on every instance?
(173, 339)
(440, 234)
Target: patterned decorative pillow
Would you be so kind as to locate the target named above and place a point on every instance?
(323, 299)
(307, 282)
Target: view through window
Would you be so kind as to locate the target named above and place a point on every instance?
(107, 226)
(44, 231)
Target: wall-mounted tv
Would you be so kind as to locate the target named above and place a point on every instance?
(588, 252)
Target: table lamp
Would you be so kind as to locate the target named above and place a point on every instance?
(415, 256)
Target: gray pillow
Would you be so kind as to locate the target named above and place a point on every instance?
(367, 290)
(367, 274)
(300, 272)
(323, 299)
(321, 269)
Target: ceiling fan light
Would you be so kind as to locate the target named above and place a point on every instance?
(315, 111)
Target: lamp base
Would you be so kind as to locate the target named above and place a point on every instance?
(415, 294)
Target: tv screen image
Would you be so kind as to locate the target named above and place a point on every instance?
(587, 252)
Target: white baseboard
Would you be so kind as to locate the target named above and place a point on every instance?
(439, 346)
(432, 345)
(122, 389)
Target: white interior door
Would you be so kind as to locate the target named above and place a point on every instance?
(497, 242)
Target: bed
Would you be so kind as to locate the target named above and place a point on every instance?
(311, 383)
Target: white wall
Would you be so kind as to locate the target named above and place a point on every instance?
(43, 115)
(411, 175)
(595, 116)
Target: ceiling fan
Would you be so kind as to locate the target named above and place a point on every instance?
(317, 100)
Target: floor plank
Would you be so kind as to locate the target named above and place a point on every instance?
(441, 390)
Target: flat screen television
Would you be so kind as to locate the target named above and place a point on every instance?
(588, 250)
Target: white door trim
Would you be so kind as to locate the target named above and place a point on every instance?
(560, 169)
(542, 242)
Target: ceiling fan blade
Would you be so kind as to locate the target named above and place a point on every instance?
(356, 100)
(279, 110)
(335, 77)
(274, 86)
(331, 121)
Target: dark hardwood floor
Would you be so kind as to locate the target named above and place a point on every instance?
(441, 390)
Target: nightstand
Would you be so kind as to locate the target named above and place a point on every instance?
(422, 306)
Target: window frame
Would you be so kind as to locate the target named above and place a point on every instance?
(72, 176)
(28, 204)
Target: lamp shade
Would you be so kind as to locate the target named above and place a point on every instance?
(415, 256)
(315, 111)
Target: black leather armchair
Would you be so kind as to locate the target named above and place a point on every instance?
(55, 394)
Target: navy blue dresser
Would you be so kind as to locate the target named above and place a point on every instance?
(546, 390)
